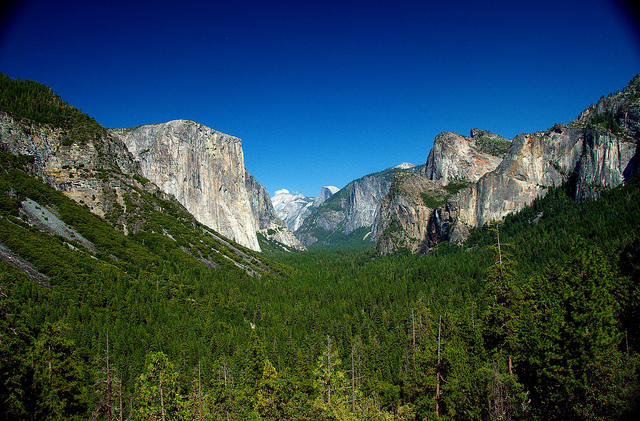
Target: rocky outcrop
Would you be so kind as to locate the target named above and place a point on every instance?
(97, 172)
(325, 193)
(354, 207)
(203, 169)
(267, 221)
(364, 201)
(293, 209)
(262, 209)
(411, 201)
(46, 220)
(410, 216)
(460, 158)
(597, 151)
(590, 157)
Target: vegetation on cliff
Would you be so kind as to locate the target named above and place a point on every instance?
(537, 318)
(550, 333)
(34, 101)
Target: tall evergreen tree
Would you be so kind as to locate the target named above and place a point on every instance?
(158, 394)
(58, 380)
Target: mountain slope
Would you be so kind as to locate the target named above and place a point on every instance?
(294, 208)
(597, 151)
(269, 225)
(349, 215)
(97, 171)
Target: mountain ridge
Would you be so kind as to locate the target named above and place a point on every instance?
(350, 212)
(598, 150)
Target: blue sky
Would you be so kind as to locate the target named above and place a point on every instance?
(324, 92)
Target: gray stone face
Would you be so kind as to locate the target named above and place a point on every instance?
(355, 206)
(457, 158)
(265, 216)
(203, 169)
(593, 155)
(95, 173)
(597, 151)
(263, 211)
(404, 214)
(325, 193)
(364, 201)
(292, 208)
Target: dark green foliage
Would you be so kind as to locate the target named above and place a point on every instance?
(432, 201)
(37, 102)
(455, 187)
(496, 147)
(435, 199)
(607, 121)
(551, 332)
(337, 239)
(58, 375)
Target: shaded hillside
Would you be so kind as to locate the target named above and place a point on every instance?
(348, 216)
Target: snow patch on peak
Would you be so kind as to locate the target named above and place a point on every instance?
(291, 208)
(294, 208)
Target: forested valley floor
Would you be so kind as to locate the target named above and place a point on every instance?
(534, 318)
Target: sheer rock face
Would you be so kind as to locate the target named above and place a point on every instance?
(459, 158)
(292, 208)
(325, 193)
(406, 220)
(203, 169)
(364, 201)
(592, 156)
(96, 173)
(355, 206)
(597, 151)
(404, 214)
(266, 219)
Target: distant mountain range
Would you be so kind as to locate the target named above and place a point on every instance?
(294, 208)
(338, 217)
(471, 181)
(466, 182)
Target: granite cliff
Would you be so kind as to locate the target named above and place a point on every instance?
(456, 158)
(266, 219)
(403, 210)
(599, 150)
(294, 208)
(98, 172)
(349, 214)
(202, 168)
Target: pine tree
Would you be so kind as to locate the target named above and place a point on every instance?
(588, 376)
(271, 398)
(157, 391)
(109, 389)
(506, 396)
(15, 369)
(58, 379)
(329, 379)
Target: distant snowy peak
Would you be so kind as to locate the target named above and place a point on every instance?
(291, 208)
(294, 208)
(404, 166)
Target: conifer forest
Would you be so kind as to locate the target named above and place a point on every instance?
(533, 318)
